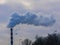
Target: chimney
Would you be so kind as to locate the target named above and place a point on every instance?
(11, 34)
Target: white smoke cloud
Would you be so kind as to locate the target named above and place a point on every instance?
(31, 19)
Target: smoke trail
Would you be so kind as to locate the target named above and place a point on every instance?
(30, 18)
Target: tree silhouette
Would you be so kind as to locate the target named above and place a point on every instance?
(39, 41)
(52, 39)
(27, 42)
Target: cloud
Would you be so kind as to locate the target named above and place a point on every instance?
(33, 5)
(2, 2)
(4, 34)
(30, 19)
(2, 26)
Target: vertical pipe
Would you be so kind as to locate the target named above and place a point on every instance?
(11, 36)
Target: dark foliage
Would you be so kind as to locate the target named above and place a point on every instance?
(51, 39)
(26, 42)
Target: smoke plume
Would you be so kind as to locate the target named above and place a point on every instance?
(32, 19)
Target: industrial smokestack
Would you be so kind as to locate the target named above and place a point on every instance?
(29, 18)
(11, 33)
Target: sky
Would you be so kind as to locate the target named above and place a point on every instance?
(39, 7)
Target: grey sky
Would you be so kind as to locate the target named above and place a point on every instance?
(40, 7)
